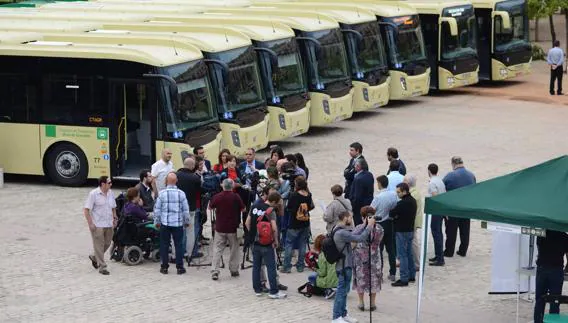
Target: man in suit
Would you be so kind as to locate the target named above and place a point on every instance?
(199, 151)
(247, 168)
(362, 189)
(356, 153)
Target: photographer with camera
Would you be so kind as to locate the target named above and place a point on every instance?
(291, 158)
(250, 176)
(287, 178)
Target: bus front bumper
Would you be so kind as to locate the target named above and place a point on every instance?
(285, 124)
(500, 72)
(404, 86)
(238, 139)
(213, 148)
(325, 109)
(447, 80)
(368, 97)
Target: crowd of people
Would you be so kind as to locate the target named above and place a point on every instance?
(271, 202)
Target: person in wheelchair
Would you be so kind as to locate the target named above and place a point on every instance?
(134, 206)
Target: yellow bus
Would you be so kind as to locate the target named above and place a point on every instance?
(403, 42)
(450, 33)
(86, 108)
(284, 84)
(35, 14)
(503, 46)
(324, 57)
(365, 50)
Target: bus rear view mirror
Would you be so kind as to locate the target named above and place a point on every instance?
(170, 81)
(224, 69)
(272, 54)
(452, 23)
(505, 18)
(357, 34)
(316, 43)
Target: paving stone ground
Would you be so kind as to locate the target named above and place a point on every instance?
(45, 274)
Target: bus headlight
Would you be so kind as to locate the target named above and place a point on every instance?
(366, 94)
(236, 139)
(451, 80)
(326, 107)
(403, 83)
(503, 71)
(282, 121)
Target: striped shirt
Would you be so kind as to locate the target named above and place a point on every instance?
(384, 201)
(171, 207)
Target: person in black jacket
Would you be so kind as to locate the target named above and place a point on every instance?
(356, 153)
(392, 154)
(190, 183)
(404, 214)
(362, 189)
(549, 272)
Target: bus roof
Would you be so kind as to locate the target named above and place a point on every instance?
(206, 38)
(339, 13)
(299, 20)
(154, 53)
(487, 4)
(12, 37)
(65, 16)
(379, 8)
(45, 25)
(435, 7)
(121, 7)
(213, 3)
(259, 30)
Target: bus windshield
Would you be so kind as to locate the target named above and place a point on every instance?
(464, 44)
(405, 41)
(287, 78)
(193, 105)
(328, 63)
(367, 53)
(240, 88)
(516, 37)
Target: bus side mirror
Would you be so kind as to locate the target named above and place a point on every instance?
(314, 41)
(505, 18)
(272, 54)
(358, 35)
(224, 69)
(452, 23)
(170, 80)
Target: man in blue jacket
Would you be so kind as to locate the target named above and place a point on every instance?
(459, 177)
(362, 189)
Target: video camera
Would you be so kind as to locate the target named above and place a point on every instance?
(254, 179)
(290, 176)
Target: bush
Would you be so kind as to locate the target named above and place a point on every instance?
(538, 53)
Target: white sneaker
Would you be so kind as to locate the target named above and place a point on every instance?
(339, 320)
(350, 319)
(278, 295)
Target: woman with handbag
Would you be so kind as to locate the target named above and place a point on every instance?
(336, 207)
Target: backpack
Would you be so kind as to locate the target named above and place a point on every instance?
(311, 290)
(329, 248)
(303, 213)
(264, 234)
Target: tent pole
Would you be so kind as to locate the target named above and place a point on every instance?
(519, 277)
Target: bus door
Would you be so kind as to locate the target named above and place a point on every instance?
(132, 105)
(484, 42)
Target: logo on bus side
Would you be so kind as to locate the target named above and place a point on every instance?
(102, 133)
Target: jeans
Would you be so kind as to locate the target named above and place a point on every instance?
(438, 236)
(295, 237)
(283, 226)
(404, 253)
(343, 287)
(166, 234)
(549, 280)
(197, 231)
(189, 234)
(264, 254)
(389, 242)
(312, 278)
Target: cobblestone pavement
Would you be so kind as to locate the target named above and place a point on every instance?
(45, 274)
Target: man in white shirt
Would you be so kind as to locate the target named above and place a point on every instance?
(383, 202)
(436, 186)
(160, 170)
(394, 176)
(100, 213)
(555, 59)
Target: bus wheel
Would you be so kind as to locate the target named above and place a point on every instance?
(67, 165)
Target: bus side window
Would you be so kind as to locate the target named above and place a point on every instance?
(72, 99)
(17, 99)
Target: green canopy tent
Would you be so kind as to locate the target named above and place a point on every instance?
(536, 197)
(533, 197)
